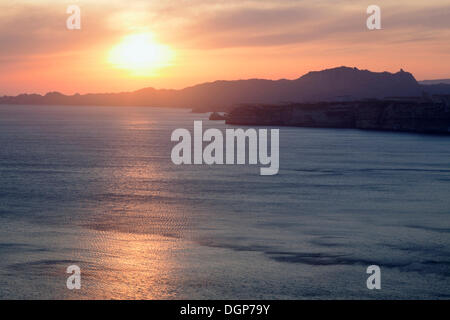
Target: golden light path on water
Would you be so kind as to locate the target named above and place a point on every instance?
(129, 266)
(132, 239)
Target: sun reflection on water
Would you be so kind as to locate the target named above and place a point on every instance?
(128, 266)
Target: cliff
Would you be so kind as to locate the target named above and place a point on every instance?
(432, 116)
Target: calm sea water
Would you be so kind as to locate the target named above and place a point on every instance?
(95, 187)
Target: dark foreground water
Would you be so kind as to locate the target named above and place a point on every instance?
(95, 187)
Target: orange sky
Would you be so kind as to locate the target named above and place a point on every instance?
(215, 39)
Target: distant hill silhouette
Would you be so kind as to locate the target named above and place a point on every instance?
(437, 81)
(438, 86)
(337, 84)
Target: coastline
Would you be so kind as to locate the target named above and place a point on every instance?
(432, 116)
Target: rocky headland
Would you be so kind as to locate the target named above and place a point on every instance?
(412, 115)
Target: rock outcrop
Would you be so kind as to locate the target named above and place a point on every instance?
(215, 116)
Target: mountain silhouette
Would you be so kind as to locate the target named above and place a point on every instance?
(337, 84)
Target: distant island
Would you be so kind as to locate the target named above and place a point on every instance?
(331, 85)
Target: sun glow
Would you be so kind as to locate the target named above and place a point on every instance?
(141, 54)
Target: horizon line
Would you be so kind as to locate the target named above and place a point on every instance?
(214, 81)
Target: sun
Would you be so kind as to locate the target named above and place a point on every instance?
(140, 54)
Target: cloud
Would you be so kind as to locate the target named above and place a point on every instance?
(30, 28)
(274, 23)
(34, 29)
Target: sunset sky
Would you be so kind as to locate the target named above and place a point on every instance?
(205, 40)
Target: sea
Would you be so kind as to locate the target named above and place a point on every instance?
(95, 187)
